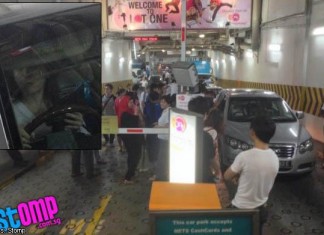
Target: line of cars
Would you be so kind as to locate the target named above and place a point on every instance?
(291, 142)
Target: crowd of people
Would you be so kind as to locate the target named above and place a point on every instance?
(144, 105)
(150, 108)
(140, 107)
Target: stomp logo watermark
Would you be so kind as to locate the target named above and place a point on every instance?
(41, 211)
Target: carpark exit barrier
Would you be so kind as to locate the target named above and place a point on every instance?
(110, 126)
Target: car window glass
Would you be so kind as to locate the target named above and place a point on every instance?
(52, 62)
(244, 109)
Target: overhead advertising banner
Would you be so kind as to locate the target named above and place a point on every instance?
(166, 14)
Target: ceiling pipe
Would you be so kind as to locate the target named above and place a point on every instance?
(269, 24)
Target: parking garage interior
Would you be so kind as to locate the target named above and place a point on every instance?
(279, 51)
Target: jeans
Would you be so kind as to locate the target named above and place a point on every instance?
(162, 171)
(133, 145)
(263, 214)
(109, 138)
(88, 162)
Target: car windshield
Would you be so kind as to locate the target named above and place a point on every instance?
(50, 75)
(244, 109)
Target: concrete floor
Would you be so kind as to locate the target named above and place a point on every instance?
(104, 206)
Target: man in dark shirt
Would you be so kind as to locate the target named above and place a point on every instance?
(152, 113)
(201, 105)
(208, 155)
(132, 118)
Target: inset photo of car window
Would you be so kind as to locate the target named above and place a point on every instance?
(50, 76)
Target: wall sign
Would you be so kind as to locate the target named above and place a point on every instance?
(147, 39)
(231, 222)
(166, 14)
(109, 125)
(203, 67)
(182, 100)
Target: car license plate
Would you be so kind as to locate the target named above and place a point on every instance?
(285, 164)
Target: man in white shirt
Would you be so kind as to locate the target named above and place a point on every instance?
(173, 87)
(255, 169)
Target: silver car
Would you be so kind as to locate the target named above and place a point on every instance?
(292, 143)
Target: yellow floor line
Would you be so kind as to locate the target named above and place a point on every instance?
(97, 214)
(6, 183)
(79, 226)
(35, 230)
(67, 226)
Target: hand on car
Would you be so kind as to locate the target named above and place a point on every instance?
(73, 120)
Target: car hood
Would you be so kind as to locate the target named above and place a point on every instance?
(287, 133)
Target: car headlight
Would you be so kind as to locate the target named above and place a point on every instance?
(237, 144)
(306, 146)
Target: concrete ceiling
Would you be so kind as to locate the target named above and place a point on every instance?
(16, 12)
(218, 39)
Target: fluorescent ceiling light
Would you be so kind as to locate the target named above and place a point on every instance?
(201, 35)
(318, 31)
(193, 49)
(163, 50)
(274, 47)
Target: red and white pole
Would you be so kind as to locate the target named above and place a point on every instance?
(183, 30)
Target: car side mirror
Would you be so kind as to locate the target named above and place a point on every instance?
(134, 74)
(300, 114)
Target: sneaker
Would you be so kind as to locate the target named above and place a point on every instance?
(143, 169)
(101, 162)
(152, 178)
(93, 175)
(76, 174)
(128, 182)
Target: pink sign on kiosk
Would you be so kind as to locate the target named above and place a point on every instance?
(185, 146)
